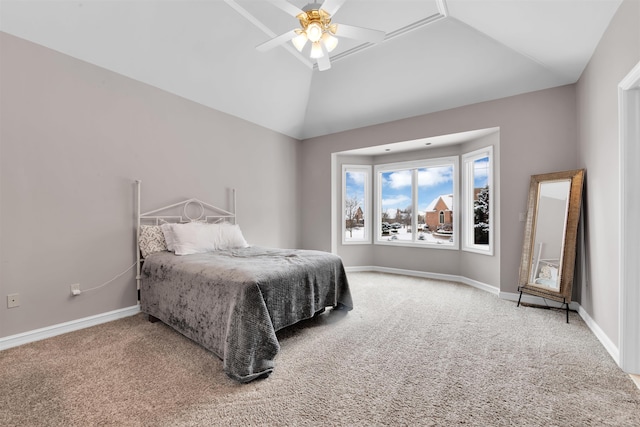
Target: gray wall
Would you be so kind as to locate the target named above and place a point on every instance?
(73, 139)
(531, 126)
(597, 100)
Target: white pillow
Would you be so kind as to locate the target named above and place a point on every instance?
(168, 235)
(198, 237)
(230, 237)
(191, 238)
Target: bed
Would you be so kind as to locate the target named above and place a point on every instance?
(197, 274)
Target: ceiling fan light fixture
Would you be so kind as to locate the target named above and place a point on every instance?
(316, 26)
(329, 41)
(300, 40)
(316, 50)
(314, 31)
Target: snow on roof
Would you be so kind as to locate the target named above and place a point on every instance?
(446, 198)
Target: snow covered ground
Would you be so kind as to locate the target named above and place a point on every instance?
(402, 234)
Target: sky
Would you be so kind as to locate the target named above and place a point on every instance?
(481, 172)
(355, 185)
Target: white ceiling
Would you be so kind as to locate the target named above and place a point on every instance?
(422, 143)
(438, 54)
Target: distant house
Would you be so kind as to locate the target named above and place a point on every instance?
(439, 213)
(357, 220)
(359, 216)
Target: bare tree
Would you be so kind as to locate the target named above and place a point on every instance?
(407, 215)
(351, 208)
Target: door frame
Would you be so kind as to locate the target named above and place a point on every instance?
(629, 226)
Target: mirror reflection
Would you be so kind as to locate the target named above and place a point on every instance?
(549, 233)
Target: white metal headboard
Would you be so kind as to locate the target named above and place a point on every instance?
(178, 213)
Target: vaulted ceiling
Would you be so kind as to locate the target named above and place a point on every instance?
(437, 54)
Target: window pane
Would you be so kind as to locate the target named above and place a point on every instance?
(435, 205)
(354, 205)
(412, 194)
(395, 204)
(481, 193)
(478, 188)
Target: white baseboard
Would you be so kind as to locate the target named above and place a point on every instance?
(611, 348)
(427, 275)
(608, 345)
(63, 328)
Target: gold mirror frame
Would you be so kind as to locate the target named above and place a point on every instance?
(566, 263)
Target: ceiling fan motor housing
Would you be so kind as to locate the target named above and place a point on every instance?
(319, 17)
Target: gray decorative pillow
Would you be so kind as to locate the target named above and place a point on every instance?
(151, 240)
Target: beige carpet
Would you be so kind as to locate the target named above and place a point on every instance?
(413, 352)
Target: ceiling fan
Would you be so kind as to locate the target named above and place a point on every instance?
(316, 27)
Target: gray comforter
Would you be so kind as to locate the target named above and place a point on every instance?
(233, 302)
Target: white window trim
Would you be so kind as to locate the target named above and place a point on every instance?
(468, 244)
(366, 204)
(414, 164)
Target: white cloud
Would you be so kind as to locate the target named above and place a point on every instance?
(399, 200)
(356, 177)
(399, 179)
(435, 176)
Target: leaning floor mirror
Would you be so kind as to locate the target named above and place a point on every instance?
(549, 250)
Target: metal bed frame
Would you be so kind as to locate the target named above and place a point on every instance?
(155, 217)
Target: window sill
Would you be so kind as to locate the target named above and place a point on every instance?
(488, 252)
(417, 245)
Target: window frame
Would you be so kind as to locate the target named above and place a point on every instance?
(468, 188)
(413, 166)
(366, 169)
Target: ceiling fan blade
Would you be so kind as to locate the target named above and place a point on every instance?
(324, 63)
(277, 41)
(287, 7)
(332, 6)
(359, 33)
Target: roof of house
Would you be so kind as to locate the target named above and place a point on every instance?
(446, 198)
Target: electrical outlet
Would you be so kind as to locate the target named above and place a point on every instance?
(13, 300)
(75, 289)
